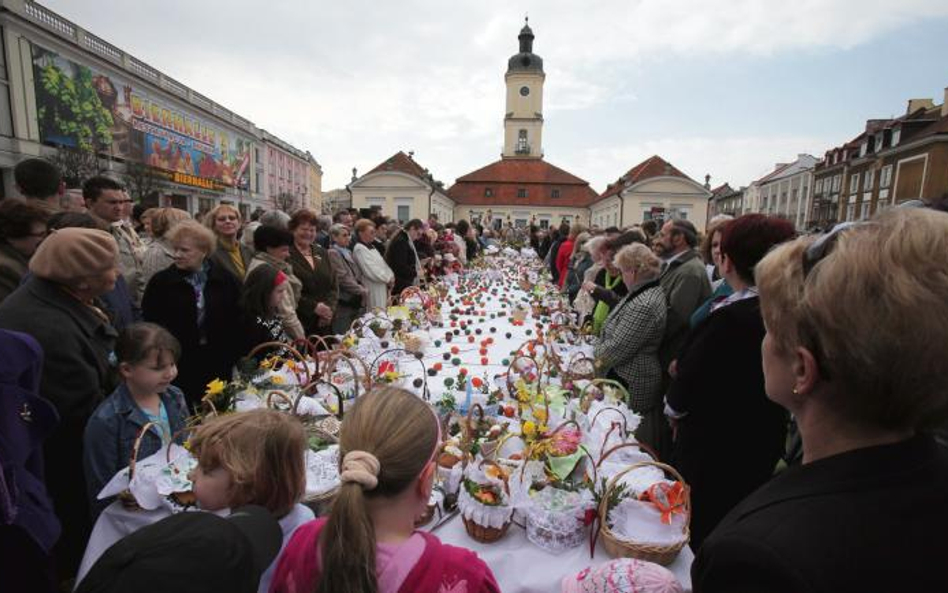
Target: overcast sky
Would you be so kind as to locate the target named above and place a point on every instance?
(725, 87)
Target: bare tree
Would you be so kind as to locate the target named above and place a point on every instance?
(285, 202)
(76, 164)
(143, 182)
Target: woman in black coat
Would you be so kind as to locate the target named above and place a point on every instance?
(311, 265)
(729, 436)
(855, 321)
(197, 301)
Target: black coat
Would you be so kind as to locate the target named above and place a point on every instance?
(401, 258)
(207, 352)
(733, 435)
(872, 519)
(76, 376)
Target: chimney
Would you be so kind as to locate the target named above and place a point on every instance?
(916, 104)
(944, 104)
(354, 176)
(707, 181)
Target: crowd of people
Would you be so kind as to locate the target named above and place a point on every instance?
(792, 381)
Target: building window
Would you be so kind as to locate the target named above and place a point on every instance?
(522, 146)
(522, 192)
(868, 180)
(488, 192)
(885, 176)
(404, 213)
(554, 193)
(544, 224)
(864, 210)
(853, 183)
(896, 136)
(818, 188)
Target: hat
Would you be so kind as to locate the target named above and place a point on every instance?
(623, 575)
(190, 552)
(70, 254)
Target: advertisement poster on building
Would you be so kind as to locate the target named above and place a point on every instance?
(82, 107)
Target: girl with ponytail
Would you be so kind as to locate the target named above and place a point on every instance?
(368, 544)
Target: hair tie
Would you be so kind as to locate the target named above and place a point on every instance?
(280, 278)
(360, 467)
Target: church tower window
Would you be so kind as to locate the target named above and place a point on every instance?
(522, 146)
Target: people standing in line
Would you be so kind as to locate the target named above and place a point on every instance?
(57, 306)
(28, 525)
(196, 300)
(343, 217)
(684, 280)
(716, 411)
(854, 320)
(565, 252)
(607, 288)
(561, 235)
(377, 277)
(312, 266)
(388, 446)
(22, 229)
(579, 262)
(146, 356)
(40, 182)
(229, 254)
(159, 255)
(402, 258)
(352, 294)
(107, 202)
(323, 222)
(627, 350)
(273, 248)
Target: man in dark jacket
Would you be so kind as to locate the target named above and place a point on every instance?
(402, 257)
(685, 282)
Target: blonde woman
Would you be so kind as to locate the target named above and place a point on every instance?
(855, 321)
(628, 347)
(159, 254)
(230, 254)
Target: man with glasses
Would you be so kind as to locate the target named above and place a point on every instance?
(107, 203)
(684, 280)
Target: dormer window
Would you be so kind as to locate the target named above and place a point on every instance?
(554, 193)
(488, 192)
(896, 136)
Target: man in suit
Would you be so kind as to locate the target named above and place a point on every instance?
(402, 257)
(684, 280)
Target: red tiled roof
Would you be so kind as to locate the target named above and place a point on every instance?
(507, 176)
(402, 163)
(654, 166)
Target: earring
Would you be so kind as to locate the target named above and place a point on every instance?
(795, 391)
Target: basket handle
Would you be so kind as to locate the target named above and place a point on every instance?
(426, 393)
(603, 505)
(640, 446)
(300, 359)
(625, 421)
(136, 446)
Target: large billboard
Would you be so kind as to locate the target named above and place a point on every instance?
(82, 107)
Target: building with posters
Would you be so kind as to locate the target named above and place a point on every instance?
(522, 188)
(69, 88)
(402, 189)
(652, 190)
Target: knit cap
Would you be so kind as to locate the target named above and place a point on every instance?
(623, 575)
(70, 254)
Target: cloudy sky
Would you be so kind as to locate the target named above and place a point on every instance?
(725, 87)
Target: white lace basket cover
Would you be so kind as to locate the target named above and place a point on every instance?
(556, 518)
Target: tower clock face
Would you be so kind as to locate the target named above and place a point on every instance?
(524, 91)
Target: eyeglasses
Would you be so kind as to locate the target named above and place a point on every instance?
(822, 247)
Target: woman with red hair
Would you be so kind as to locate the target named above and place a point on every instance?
(729, 436)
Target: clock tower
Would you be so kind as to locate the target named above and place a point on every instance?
(523, 122)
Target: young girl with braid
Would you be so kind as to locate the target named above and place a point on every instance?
(368, 544)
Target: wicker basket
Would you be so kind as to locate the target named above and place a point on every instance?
(660, 554)
(586, 396)
(482, 533)
(125, 496)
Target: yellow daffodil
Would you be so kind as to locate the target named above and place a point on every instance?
(540, 415)
(215, 387)
(266, 363)
(277, 380)
(529, 429)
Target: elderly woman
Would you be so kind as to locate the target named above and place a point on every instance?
(196, 299)
(312, 266)
(22, 229)
(58, 306)
(273, 248)
(607, 288)
(717, 398)
(854, 320)
(229, 254)
(377, 277)
(352, 294)
(627, 350)
(159, 254)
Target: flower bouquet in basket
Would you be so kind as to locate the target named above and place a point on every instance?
(484, 502)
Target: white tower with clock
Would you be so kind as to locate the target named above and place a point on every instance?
(523, 122)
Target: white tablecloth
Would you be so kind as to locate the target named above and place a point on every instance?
(522, 567)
